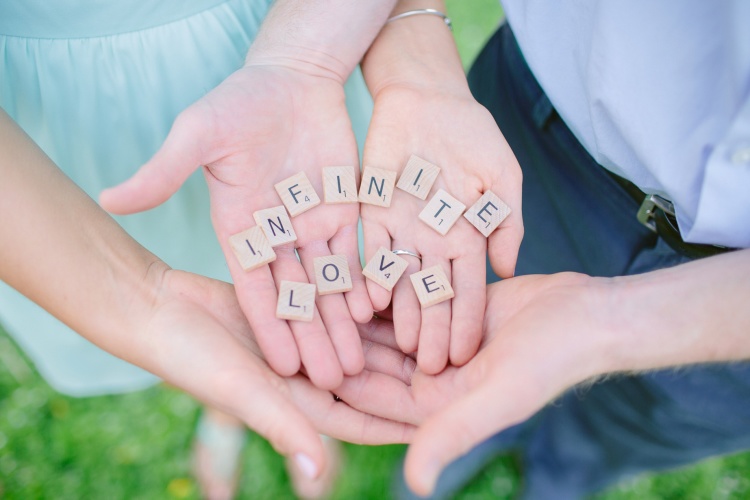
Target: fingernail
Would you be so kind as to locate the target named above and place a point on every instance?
(306, 465)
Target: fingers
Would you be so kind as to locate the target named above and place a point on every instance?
(381, 395)
(344, 242)
(469, 277)
(376, 236)
(339, 420)
(388, 361)
(503, 244)
(161, 176)
(335, 315)
(454, 431)
(407, 314)
(380, 332)
(257, 295)
(435, 332)
(269, 412)
(315, 348)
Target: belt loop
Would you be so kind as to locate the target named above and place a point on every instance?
(542, 111)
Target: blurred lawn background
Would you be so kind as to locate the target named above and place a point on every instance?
(138, 445)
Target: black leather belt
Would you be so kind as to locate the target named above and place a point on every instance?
(657, 214)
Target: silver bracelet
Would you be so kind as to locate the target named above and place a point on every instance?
(418, 12)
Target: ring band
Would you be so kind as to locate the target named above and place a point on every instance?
(409, 253)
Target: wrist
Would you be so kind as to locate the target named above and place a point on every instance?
(416, 52)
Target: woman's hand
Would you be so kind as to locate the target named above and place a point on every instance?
(263, 124)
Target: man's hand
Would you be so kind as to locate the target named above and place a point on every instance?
(450, 129)
(262, 125)
(543, 334)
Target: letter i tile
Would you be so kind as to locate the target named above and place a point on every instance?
(432, 286)
(418, 177)
(252, 248)
(339, 185)
(296, 301)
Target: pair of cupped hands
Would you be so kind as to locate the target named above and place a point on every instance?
(442, 378)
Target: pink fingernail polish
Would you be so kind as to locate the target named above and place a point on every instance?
(306, 465)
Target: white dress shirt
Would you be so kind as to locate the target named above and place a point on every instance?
(657, 92)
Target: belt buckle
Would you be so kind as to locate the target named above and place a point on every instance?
(648, 207)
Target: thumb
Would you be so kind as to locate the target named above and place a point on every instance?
(163, 174)
(455, 431)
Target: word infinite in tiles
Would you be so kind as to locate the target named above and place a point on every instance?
(253, 247)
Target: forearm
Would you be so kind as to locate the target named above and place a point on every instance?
(63, 252)
(417, 52)
(325, 38)
(692, 313)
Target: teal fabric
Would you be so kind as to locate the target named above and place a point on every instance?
(97, 84)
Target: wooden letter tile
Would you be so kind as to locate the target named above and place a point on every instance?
(298, 194)
(252, 248)
(385, 268)
(296, 301)
(442, 212)
(377, 186)
(332, 274)
(339, 185)
(276, 225)
(487, 213)
(418, 177)
(432, 286)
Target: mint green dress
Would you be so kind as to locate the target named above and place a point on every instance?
(97, 84)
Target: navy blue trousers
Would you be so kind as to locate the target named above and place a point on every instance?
(577, 218)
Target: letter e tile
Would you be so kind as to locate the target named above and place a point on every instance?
(432, 286)
(487, 213)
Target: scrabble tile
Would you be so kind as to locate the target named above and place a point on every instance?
(276, 225)
(487, 213)
(418, 177)
(442, 211)
(332, 274)
(432, 286)
(385, 268)
(252, 249)
(297, 194)
(296, 301)
(339, 185)
(377, 186)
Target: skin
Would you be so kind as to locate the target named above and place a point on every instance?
(544, 334)
(423, 106)
(187, 329)
(282, 113)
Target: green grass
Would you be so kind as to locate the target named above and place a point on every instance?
(138, 445)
